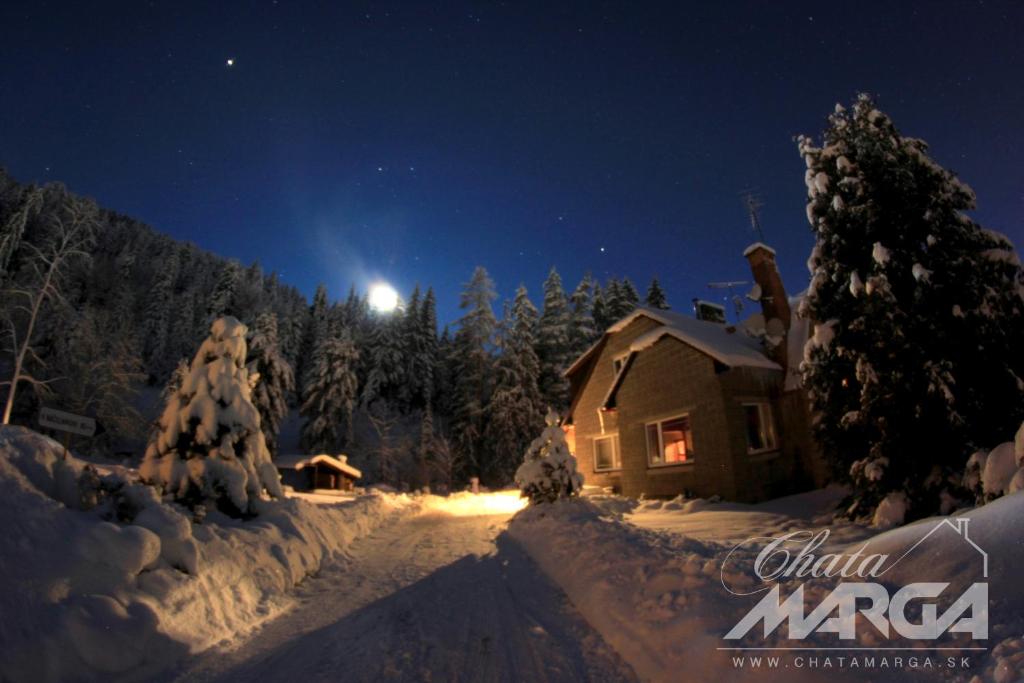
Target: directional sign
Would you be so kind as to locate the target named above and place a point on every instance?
(67, 422)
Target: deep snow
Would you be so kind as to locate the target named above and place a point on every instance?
(648, 576)
(98, 598)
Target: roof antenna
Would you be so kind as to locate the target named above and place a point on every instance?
(731, 285)
(752, 203)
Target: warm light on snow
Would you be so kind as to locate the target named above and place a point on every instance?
(383, 297)
(472, 505)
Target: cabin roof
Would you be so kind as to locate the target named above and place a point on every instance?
(298, 462)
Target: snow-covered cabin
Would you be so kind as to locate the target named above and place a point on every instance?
(308, 472)
(665, 403)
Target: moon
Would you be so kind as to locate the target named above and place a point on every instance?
(383, 297)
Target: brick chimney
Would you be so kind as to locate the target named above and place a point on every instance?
(774, 302)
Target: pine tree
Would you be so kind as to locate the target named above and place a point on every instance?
(317, 323)
(210, 448)
(430, 363)
(444, 381)
(276, 380)
(222, 300)
(919, 315)
(630, 297)
(331, 395)
(582, 328)
(516, 408)
(158, 314)
(473, 370)
(602, 319)
(548, 472)
(14, 227)
(614, 303)
(386, 374)
(553, 345)
(656, 296)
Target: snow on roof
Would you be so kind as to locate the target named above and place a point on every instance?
(758, 245)
(735, 349)
(297, 462)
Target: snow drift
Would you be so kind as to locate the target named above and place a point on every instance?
(656, 595)
(96, 598)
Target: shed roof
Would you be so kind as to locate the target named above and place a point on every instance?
(297, 462)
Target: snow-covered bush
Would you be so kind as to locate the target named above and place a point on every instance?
(210, 447)
(892, 511)
(991, 474)
(548, 472)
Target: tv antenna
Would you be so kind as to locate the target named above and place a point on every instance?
(752, 203)
(734, 298)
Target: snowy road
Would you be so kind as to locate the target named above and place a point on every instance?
(434, 597)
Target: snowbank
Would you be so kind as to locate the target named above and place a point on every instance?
(646, 594)
(98, 598)
(649, 578)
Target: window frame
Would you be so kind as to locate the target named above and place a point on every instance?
(661, 446)
(618, 362)
(762, 408)
(616, 452)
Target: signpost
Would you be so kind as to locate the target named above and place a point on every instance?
(69, 423)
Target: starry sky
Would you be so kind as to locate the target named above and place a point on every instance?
(355, 141)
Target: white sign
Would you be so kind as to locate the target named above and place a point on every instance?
(67, 422)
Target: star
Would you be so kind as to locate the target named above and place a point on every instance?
(231, 61)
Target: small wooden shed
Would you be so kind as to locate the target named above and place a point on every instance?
(308, 472)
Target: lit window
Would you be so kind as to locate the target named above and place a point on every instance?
(670, 442)
(760, 427)
(606, 453)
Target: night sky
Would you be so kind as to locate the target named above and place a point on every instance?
(355, 141)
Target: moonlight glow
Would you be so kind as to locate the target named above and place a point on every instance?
(383, 297)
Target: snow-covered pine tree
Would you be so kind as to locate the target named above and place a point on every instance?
(158, 315)
(553, 344)
(473, 370)
(386, 371)
(614, 303)
(600, 311)
(222, 300)
(914, 362)
(97, 371)
(548, 472)
(444, 379)
(582, 330)
(656, 296)
(516, 407)
(331, 395)
(14, 227)
(413, 350)
(630, 297)
(276, 378)
(429, 363)
(210, 448)
(314, 335)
